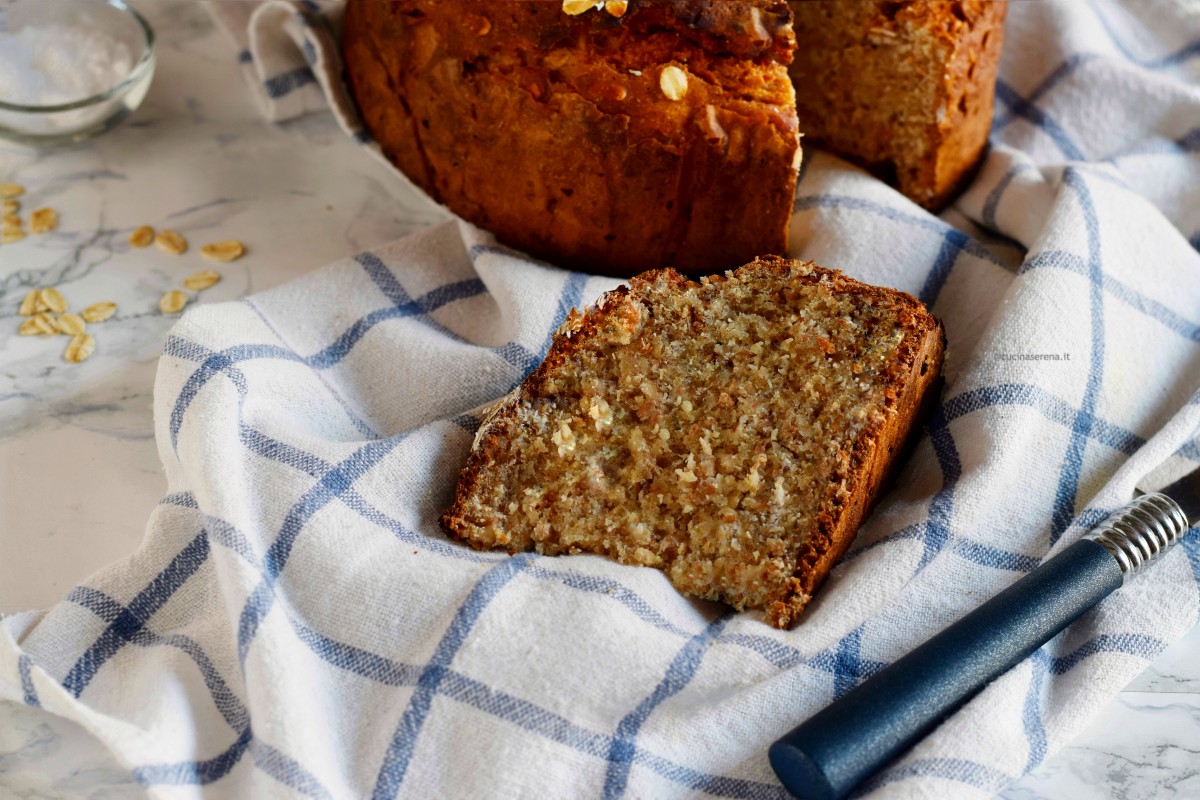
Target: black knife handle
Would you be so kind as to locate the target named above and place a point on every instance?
(844, 744)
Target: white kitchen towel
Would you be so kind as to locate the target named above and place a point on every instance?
(287, 51)
(295, 623)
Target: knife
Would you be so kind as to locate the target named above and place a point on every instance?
(836, 749)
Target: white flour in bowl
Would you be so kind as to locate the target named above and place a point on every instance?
(57, 64)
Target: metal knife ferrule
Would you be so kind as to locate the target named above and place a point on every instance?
(1141, 532)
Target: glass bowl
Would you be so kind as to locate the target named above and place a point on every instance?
(118, 37)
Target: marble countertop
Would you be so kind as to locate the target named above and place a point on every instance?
(79, 469)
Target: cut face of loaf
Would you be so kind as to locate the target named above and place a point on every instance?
(732, 432)
(905, 89)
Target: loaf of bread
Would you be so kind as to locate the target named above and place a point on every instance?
(732, 432)
(902, 88)
(626, 135)
(614, 139)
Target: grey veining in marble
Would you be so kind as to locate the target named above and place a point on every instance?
(1144, 746)
(42, 756)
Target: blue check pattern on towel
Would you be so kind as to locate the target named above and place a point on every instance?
(295, 624)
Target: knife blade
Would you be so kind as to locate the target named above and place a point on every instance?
(1186, 494)
(842, 745)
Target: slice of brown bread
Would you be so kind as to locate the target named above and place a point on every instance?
(732, 432)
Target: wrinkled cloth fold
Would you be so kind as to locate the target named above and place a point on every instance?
(296, 624)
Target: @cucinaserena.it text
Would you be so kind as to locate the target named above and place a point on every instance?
(1031, 356)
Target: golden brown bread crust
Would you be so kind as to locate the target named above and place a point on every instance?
(553, 131)
(905, 89)
(909, 381)
(875, 458)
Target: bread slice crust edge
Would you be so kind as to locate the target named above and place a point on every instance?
(874, 455)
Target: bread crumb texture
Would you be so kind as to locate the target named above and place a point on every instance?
(904, 89)
(715, 430)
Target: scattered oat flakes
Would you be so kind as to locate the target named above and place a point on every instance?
(881, 35)
(170, 242)
(10, 235)
(30, 304)
(38, 325)
(10, 206)
(172, 302)
(11, 220)
(11, 190)
(564, 437)
(200, 281)
(70, 324)
(53, 300)
(673, 81)
(224, 252)
(575, 7)
(43, 220)
(98, 312)
(81, 346)
(142, 237)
